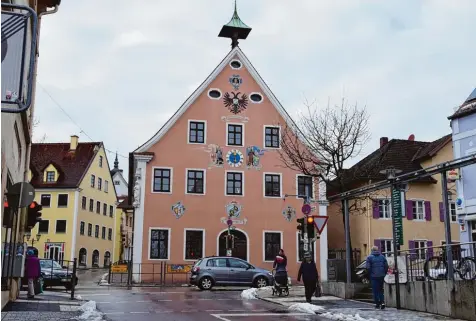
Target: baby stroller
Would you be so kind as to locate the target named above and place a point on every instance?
(280, 286)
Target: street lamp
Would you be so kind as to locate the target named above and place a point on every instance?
(391, 173)
(33, 240)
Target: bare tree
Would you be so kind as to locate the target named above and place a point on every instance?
(35, 123)
(323, 141)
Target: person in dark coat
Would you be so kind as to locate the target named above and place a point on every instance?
(377, 267)
(279, 265)
(32, 272)
(308, 271)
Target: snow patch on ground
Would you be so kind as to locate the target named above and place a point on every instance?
(346, 317)
(249, 294)
(305, 308)
(78, 297)
(89, 312)
(103, 282)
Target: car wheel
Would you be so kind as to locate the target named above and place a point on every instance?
(205, 283)
(261, 282)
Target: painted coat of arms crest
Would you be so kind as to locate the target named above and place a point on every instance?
(289, 213)
(234, 103)
(233, 209)
(178, 209)
(236, 81)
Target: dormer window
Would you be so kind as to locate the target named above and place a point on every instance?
(50, 176)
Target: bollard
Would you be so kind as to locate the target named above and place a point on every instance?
(73, 278)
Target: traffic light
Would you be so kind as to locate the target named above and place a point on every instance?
(7, 216)
(34, 214)
(311, 233)
(301, 225)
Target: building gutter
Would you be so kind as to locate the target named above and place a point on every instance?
(369, 219)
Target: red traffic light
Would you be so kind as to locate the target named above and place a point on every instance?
(5, 204)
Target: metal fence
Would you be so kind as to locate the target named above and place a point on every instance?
(336, 264)
(431, 263)
(161, 273)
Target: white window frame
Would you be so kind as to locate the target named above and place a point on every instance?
(106, 186)
(264, 242)
(280, 185)
(99, 183)
(242, 134)
(168, 242)
(65, 228)
(452, 206)
(241, 64)
(51, 198)
(257, 102)
(85, 228)
(101, 160)
(204, 131)
(424, 214)
(42, 233)
(67, 202)
(297, 248)
(242, 183)
(171, 179)
(279, 139)
(92, 181)
(212, 89)
(386, 240)
(419, 249)
(112, 233)
(389, 209)
(204, 181)
(105, 232)
(185, 230)
(313, 186)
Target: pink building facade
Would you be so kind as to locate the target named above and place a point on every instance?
(217, 157)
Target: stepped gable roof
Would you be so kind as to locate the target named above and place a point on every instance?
(72, 165)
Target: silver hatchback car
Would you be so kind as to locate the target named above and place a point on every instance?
(223, 271)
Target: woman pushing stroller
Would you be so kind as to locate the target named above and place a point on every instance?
(279, 265)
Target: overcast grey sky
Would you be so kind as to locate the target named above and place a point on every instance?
(121, 68)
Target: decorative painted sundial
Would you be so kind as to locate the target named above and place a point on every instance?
(234, 158)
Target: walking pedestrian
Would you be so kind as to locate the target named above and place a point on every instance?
(308, 271)
(280, 266)
(377, 267)
(32, 272)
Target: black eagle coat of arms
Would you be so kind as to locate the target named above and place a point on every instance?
(235, 104)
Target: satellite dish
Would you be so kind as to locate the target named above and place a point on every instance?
(21, 195)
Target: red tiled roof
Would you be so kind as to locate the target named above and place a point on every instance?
(71, 165)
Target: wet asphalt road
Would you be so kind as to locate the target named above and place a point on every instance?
(183, 304)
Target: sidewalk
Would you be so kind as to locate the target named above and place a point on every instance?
(48, 306)
(339, 309)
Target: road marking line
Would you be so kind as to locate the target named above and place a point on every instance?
(238, 310)
(144, 301)
(164, 311)
(95, 294)
(164, 300)
(113, 312)
(140, 312)
(204, 299)
(105, 302)
(188, 311)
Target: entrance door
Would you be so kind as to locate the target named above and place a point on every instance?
(240, 245)
(55, 252)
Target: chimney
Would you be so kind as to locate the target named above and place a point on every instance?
(74, 143)
(383, 141)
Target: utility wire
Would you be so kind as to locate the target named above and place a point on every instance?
(73, 121)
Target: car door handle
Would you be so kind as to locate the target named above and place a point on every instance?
(209, 269)
(232, 270)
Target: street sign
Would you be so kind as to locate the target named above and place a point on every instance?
(306, 209)
(20, 195)
(320, 222)
(18, 56)
(119, 268)
(397, 213)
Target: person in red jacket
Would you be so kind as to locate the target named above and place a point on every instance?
(32, 272)
(280, 264)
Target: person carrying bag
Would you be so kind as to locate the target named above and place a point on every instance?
(33, 273)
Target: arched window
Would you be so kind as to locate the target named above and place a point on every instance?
(107, 259)
(82, 256)
(95, 258)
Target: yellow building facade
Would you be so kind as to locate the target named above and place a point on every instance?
(73, 183)
(370, 218)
